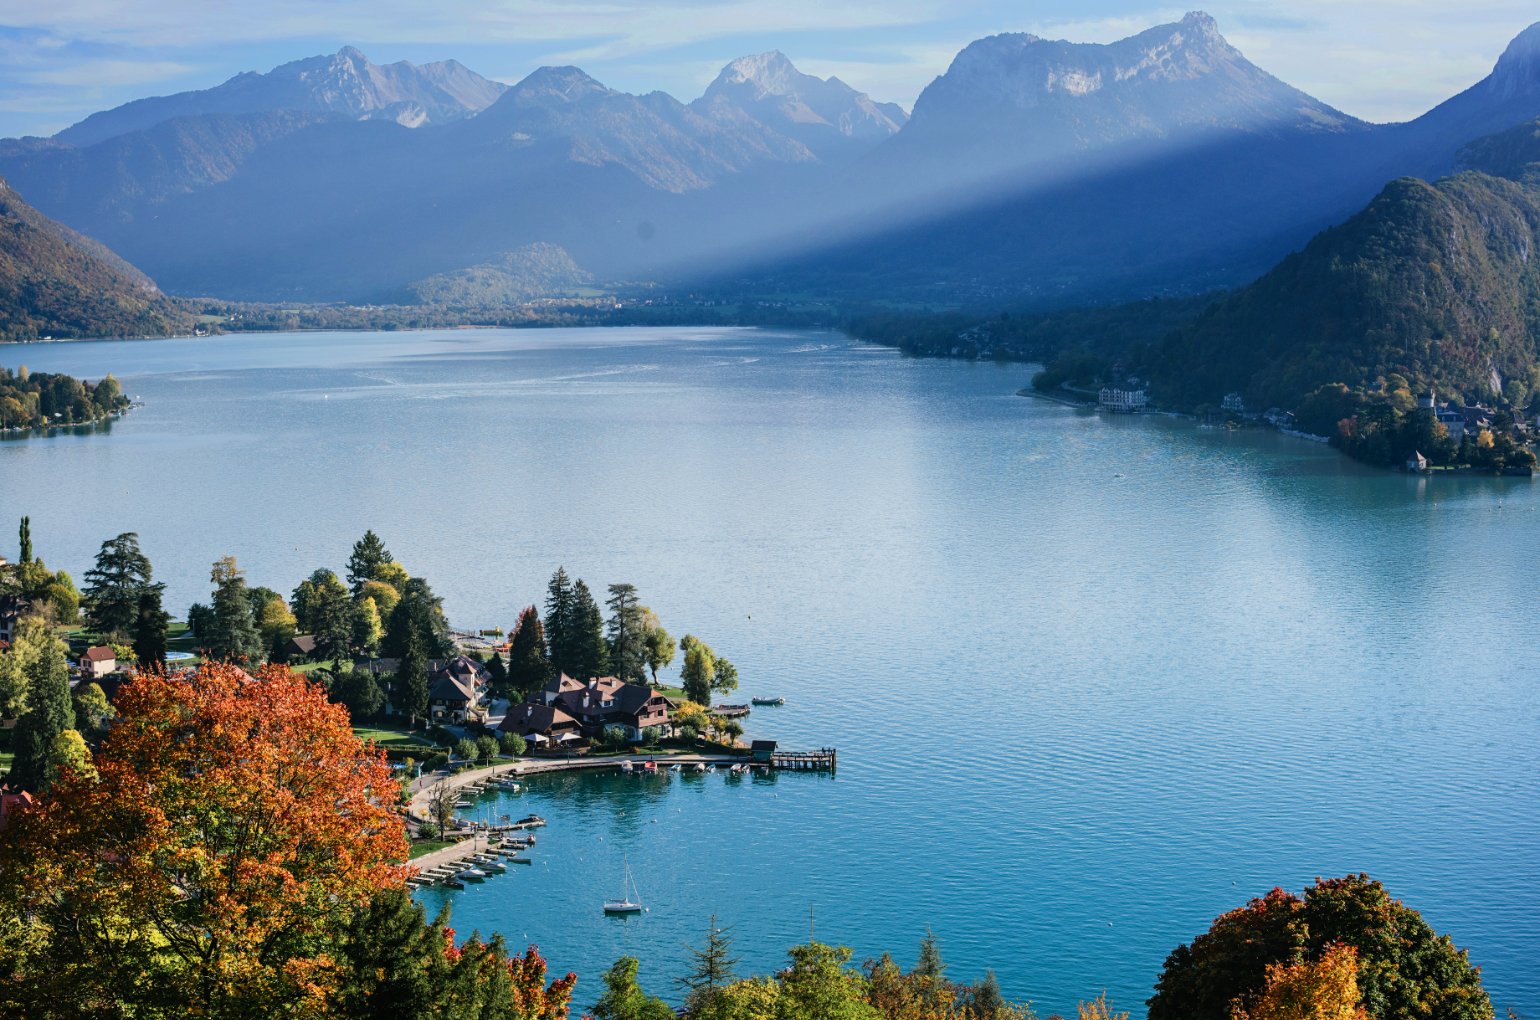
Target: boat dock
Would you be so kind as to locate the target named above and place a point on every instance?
(730, 711)
(824, 760)
(452, 865)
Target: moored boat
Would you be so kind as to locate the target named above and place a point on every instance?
(767, 701)
(630, 901)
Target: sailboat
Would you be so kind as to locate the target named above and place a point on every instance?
(626, 904)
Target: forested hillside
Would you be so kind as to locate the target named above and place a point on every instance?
(54, 282)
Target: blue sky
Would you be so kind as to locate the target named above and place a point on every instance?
(62, 59)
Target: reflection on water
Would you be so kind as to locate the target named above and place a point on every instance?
(1093, 681)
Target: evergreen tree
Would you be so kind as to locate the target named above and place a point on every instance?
(387, 959)
(359, 692)
(626, 634)
(114, 585)
(420, 613)
(590, 650)
(623, 998)
(26, 540)
(233, 633)
(369, 555)
(45, 666)
(412, 678)
(527, 665)
(984, 999)
(499, 670)
(713, 964)
(560, 627)
(150, 625)
(930, 973)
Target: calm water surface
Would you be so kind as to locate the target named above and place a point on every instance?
(1093, 681)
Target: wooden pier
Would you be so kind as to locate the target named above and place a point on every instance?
(730, 711)
(824, 760)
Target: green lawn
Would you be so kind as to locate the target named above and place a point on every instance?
(6, 757)
(308, 667)
(398, 739)
(428, 846)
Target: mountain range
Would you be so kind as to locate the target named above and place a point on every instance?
(1032, 172)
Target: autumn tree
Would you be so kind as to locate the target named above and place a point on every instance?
(235, 826)
(1405, 969)
(699, 671)
(659, 646)
(114, 584)
(1323, 989)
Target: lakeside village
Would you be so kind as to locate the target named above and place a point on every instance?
(200, 820)
(1422, 435)
(453, 711)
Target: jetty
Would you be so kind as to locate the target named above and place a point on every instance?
(825, 759)
(730, 711)
(444, 867)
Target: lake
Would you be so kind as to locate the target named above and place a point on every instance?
(1093, 681)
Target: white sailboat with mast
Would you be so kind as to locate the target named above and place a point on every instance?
(630, 901)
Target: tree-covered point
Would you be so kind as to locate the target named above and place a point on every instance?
(38, 399)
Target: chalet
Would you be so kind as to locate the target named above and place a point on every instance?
(555, 688)
(609, 701)
(13, 609)
(98, 661)
(450, 700)
(539, 723)
(300, 646)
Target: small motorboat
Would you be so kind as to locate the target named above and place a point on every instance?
(699, 767)
(711, 768)
(651, 767)
(531, 822)
(675, 767)
(453, 883)
(486, 862)
(472, 875)
(767, 701)
(627, 767)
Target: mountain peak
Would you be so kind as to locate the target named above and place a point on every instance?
(818, 112)
(566, 83)
(1518, 69)
(772, 72)
(352, 54)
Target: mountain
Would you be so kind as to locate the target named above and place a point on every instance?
(1056, 173)
(824, 114)
(1437, 283)
(1033, 172)
(345, 84)
(53, 282)
(1014, 102)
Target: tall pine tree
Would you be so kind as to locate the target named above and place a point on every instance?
(369, 555)
(527, 665)
(560, 627)
(150, 629)
(411, 686)
(114, 585)
(233, 635)
(590, 650)
(626, 634)
(26, 540)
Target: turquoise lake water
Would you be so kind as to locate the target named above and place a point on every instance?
(1093, 681)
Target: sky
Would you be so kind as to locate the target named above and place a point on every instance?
(1382, 60)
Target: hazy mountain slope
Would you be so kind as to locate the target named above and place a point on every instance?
(53, 282)
(345, 84)
(533, 271)
(824, 114)
(1435, 282)
(1161, 164)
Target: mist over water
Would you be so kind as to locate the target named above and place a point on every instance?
(1093, 681)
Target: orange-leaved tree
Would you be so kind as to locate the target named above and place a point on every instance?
(210, 867)
(1322, 989)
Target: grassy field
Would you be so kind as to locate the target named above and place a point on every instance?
(428, 846)
(397, 739)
